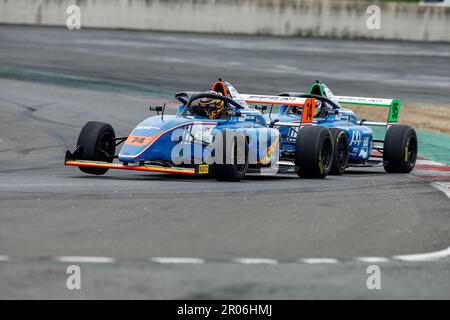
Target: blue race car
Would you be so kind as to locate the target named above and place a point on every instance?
(213, 132)
(354, 142)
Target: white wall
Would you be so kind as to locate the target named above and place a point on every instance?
(317, 18)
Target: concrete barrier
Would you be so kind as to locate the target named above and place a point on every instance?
(313, 18)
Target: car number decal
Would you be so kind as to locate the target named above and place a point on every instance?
(138, 140)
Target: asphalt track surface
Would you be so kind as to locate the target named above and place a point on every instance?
(48, 210)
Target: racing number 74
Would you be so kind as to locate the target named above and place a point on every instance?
(138, 140)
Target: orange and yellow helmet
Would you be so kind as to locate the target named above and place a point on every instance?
(214, 108)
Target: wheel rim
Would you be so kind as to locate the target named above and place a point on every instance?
(240, 168)
(325, 155)
(412, 151)
(105, 146)
(342, 155)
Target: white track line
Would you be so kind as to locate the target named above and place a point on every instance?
(432, 173)
(435, 174)
(75, 259)
(175, 260)
(4, 258)
(429, 163)
(254, 261)
(431, 256)
(318, 260)
(443, 186)
(372, 259)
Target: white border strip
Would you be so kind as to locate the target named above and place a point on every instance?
(75, 259)
(431, 256)
(254, 261)
(177, 260)
(372, 259)
(429, 163)
(318, 260)
(432, 173)
(442, 186)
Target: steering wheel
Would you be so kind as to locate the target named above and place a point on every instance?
(212, 96)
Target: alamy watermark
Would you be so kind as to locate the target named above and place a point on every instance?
(73, 21)
(73, 281)
(198, 144)
(374, 280)
(373, 21)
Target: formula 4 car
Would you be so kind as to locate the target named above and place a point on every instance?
(213, 132)
(354, 140)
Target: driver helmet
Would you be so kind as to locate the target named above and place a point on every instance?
(322, 109)
(214, 108)
(297, 109)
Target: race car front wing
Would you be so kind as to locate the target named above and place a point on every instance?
(70, 160)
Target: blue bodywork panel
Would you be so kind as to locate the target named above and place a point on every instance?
(360, 138)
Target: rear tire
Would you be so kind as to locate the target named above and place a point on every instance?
(400, 149)
(96, 141)
(340, 154)
(314, 152)
(233, 171)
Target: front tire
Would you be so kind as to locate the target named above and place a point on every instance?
(314, 152)
(230, 169)
(97, 143)
(400, 149)
(340, 154)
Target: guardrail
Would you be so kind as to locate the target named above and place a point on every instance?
(313, 18)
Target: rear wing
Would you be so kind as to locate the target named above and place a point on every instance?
(392, 104)
(264, 99)
(308, 104)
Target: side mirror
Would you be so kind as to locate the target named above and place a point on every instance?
(155, 108)
(158, 109)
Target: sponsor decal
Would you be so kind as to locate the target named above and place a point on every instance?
(272, 98)
(356, 137)
(147, 128)
(363, 100)
(366, 142)
(363, 153)
(203, 169)
(242, 117)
